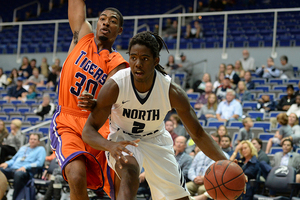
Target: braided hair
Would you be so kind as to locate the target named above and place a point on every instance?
(152, 41)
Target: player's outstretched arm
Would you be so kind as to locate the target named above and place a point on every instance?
(180, 102)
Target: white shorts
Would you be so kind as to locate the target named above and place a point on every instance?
(162, 171)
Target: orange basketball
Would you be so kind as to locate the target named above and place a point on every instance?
(224, 180)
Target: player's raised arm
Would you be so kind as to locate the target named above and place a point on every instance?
(180, 102)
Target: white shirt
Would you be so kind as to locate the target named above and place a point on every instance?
(285, 160)
(294, 109)
(248, 64)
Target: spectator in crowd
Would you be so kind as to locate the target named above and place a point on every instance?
(25, 69)
(268, 71)
(16, 91)
(223, 88)
(56, 63)
(219, 81)
(226, 145)
(36, 78)
(200, 85)
(3, 132)
(249, 163)
(238, 68)
(20, 166)
(242, 94)
(208, 110)
(229, 110)
(262, 156)
(234, 78)
(222, 130)
(286, 101)
(90, 13)
(32, 63)
(284, 131)
(288, 158)
(222, 69)
(13, 77)
(2, 78)
(249, 83)
(201, 7)
(31, 94)
(13, 141)
(215, 5)
(247, 61)
(185, 66)
(183, 159)
(44, 67)
(287, 70)
(203, 98)
(294, 123)
(265, 104)
(245, 133)
(171, 32)
(295, 108)
(178, 128)
(194, 32)
(170, 128)
(171, 65)
(53, 76)
(46, 108)
(3, 181)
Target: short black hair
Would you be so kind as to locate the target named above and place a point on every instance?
(121, 21)
(284, 57)
(290, 87)
(259, 141)
(287, 139)
(226, 136)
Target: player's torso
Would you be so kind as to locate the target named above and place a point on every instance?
(136, 116)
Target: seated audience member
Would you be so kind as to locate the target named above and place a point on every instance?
(36, 78)
(268, 71)
(171, 32)
(47, 108)
(230, 109)
(247, 61)
(295, 108)
(183, 159)
(171, 65)
(226, 145)
(287, 70)
(170, 128)
(13, 141)
(286, 101)
(3, 132)
(249, 83)
(262, 156)
(222, 69)
(294, 123)
(20, 166)
(3, 181)
(234, 78)
(25, 69)
(186, 66)
(16, 91)
(197, 170)
(249, 163)
(284, 131)
(31, 94)
(199, 85)
(194, 32)
(203, 98)
(178, 128)
(209, 110)
(53, 76)
(56, 63)
(44, 68)
(242, 94)
(12, 78)
(265, 105)
(2, 78)
(238, 68)
(219, 81)
(245, 133)
(222, 130)
(222, 89)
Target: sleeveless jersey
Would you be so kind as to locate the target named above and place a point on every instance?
(85, 69)
(139, 117)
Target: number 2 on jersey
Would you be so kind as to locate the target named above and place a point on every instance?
(80, 83)
(138, 127)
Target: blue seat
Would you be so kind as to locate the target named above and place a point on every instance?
(234, 138)
(181, 77)
(34, 119)
(276, 81)
(44, 130)
(295, 81)
(280, 88)
(41, 88)
(202, 122)
(215, 124)
(265, 125)
(192, 103)
(236, 124)
(265, 136)
(3, 101)
(264, 88)
(253, 105)
(4, 118)
(193, 96)
(256, 114)
(271, 95)
(260, 81)
(30, 102)
(17, 117)
(274, 150)
(296, 72)
(275, 113)
(298, 150)
(23, 110)
(16, 102)
(7, 110)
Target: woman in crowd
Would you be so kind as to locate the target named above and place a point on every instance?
(242, 94)
(293, 121)
(209, 110)
(222, 130)
(12, 79)
(238, 68)
(199, 86)
(218, 82)
(178, 128)
(249, 83)
(170, 65)
(25, 69)
(222, 69)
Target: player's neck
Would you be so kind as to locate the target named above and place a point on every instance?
(104, 45)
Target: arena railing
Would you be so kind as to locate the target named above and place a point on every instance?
(38, 12)
(160, 17)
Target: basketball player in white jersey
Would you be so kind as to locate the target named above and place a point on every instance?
(137, 100)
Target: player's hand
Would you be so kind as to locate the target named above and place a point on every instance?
(116, 150)
(86, 101)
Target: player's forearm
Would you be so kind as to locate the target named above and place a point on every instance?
(76, 14)
(93, 138)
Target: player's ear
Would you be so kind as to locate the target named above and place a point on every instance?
(120, 30)
(157, 61)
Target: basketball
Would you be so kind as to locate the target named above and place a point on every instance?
(224, 180)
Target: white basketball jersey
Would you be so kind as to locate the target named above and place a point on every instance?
(139, 117)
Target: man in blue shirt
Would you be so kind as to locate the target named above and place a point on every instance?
(16, 91)
(230, 109)
(19, 167)
(268, 71)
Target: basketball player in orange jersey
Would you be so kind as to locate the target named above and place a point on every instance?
(90, 62)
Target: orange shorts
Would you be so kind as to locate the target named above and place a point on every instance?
(66, 128)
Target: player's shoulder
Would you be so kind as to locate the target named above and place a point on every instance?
(121, 74)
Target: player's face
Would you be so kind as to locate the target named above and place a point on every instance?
(108, 26)
(286, 147)
(142, 63)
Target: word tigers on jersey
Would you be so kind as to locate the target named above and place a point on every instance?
(147, 115)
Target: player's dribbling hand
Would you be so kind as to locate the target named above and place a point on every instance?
(86, 101)
(117, 148)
